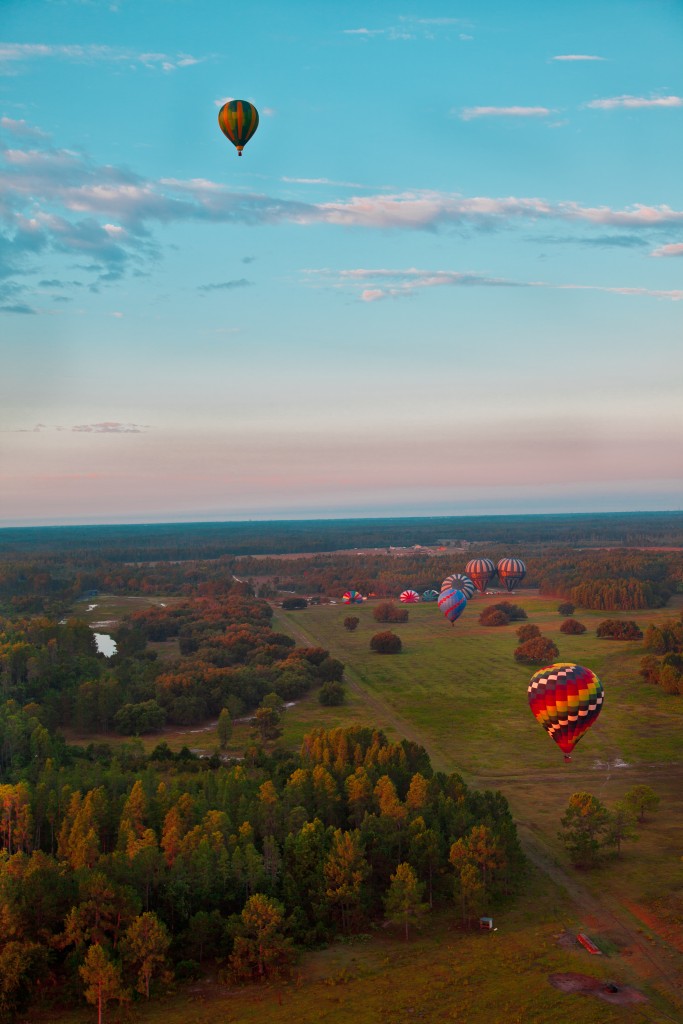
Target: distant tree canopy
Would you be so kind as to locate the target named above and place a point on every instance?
(386, 643)
(566, 608)
(619, 629)
(292, 604)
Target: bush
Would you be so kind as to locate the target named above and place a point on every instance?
(332, 694)
(387, 611)
(566, 608)
(513, 611)
(538, 651)
(573, 627)
(619, 629)
(527, 632)
(671, 680)
(294, 604)
(138, 719)
(493, 617)
(351, 622)
(386, 643)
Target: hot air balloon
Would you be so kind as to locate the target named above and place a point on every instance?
(566, 699)
(352, 597)
(452, 603)
(459, 581)
(511, 571)
(238, 120)
(481, 571)
(430, 595)
(409, 597)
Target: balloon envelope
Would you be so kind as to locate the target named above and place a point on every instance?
(566, 699)
(481, 571)
(452, 603)
(459, 581)
(352, 597)
(238, 120)
(409, 597)
(430, 595)
(511, 571)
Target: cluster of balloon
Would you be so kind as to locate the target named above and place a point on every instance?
(566, 699)
(238, 120)
(352, 597)
(459, 581)
(511, 572)
(409, 597)
(452, 603)
(481, 571)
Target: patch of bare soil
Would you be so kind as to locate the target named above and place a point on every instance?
(620, 995)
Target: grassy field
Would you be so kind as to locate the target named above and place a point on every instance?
(458, 691)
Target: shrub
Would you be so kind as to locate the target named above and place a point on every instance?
(351, 622)
(387, 611)
(566, 608)
(513, 611)
(294, 604)
(670, 680)
(493, 617)
(538, 651)
(332, 694)
(527, 632)
(649, 669)
(572, 626)
(386, 643)
(619, 629)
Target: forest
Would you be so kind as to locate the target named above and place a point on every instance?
(122, 870)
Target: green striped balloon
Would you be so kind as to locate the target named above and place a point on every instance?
(238, 120)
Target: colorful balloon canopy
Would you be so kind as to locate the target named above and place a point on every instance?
(511, 571)
(459, 581)
(238, 120)
(566, 699)
(452, 603)
(352, 597)
(409, 597)
(481, 571)
(430, 595)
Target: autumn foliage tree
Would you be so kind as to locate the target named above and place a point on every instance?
(538, 651)
(572, 627)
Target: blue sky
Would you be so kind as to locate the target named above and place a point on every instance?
(444, 277)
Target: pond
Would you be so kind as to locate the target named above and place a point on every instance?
(105, 644)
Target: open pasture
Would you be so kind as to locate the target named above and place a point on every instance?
(461, 689)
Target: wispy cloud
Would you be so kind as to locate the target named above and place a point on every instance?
(225, 285)
(673, 249)
(57, 201)
(13, 54)
(323, 181)
(110, 427)
(469, 113)
(410, 27)
(402, 283)
(21, 129)
(635, 102)
(577, 56)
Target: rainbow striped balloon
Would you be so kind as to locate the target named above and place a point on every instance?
(352, 597)
(566, 699)
(452, 603)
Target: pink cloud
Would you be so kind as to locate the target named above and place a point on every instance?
(672, 249)
(577, 56)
